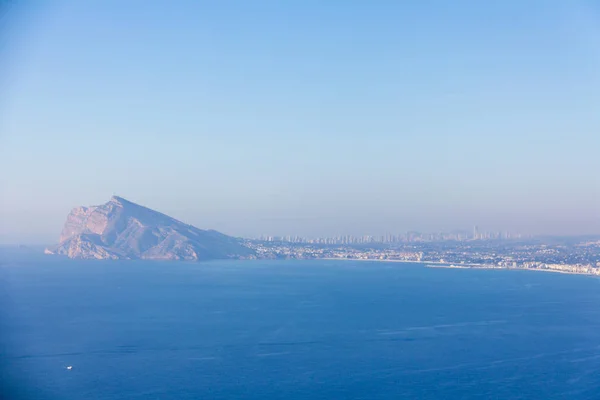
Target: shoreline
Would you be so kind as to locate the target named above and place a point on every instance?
(556, 271)
(437, 264)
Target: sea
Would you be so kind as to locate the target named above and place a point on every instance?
(294, 329)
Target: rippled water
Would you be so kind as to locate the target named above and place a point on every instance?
(296, 330)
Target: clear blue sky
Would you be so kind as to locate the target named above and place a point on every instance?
(303, 117)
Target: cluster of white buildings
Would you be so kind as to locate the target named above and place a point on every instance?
(587, 269)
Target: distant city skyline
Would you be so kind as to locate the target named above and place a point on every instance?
(304, 118)
(406, 237)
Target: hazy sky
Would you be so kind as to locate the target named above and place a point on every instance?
(303, 117)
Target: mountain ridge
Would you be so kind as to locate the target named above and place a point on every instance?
(122, 229)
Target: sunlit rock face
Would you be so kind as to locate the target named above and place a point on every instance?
(121, 229)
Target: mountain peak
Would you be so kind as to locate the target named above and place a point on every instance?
(122, 229)
(119, 200)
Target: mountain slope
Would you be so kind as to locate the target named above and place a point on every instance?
(121, 229)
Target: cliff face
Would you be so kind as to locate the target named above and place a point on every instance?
(121, 229)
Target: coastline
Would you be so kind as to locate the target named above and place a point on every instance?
(434, 264)
(437, 264)
(368, 259)
(556, 271)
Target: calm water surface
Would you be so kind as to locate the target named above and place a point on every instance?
(295, 330)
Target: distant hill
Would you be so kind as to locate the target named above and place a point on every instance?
(121, 229)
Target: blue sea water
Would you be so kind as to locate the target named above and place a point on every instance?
(295, 330)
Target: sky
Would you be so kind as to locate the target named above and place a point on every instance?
(303, 117)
